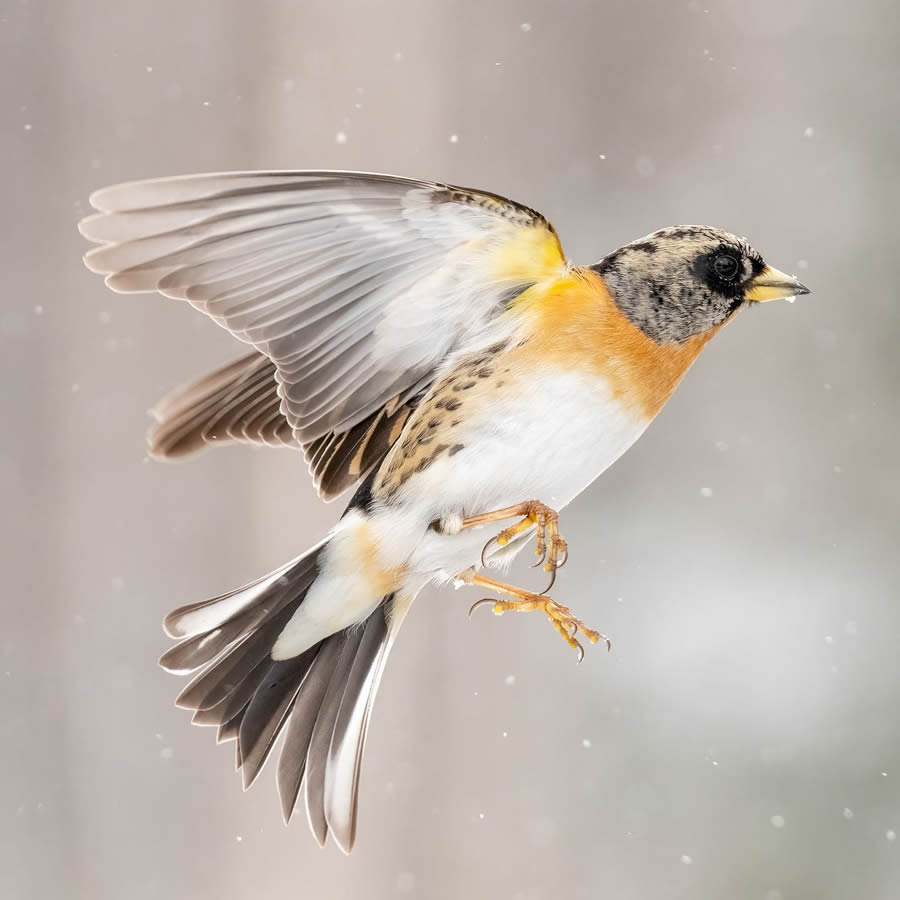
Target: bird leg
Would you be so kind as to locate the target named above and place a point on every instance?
(563, 621)
(551, 548)
(552, 551)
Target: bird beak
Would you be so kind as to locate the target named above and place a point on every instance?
(771, 284)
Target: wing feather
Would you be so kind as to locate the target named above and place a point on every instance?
(356, 286)
(240, 402)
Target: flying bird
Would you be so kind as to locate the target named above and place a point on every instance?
(431, 345)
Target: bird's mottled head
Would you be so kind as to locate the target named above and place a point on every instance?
(686, 280)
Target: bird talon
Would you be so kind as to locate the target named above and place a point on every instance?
(552, 580)
(479, 603)
(544, 520)
(552, 553)
(541, 553)
(485, 548)
(560, 616)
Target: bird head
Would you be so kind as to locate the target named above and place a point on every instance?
(688, 279)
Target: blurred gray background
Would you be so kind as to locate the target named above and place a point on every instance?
(742, 739)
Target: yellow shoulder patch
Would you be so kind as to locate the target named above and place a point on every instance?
(531, 254)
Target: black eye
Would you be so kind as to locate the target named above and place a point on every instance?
(725, 266)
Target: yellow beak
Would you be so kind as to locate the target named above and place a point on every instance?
(771, 284)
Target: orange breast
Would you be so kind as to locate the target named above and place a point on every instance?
(576, 324)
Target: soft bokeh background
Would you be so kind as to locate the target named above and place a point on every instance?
(742, 739)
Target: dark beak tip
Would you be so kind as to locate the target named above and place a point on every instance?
(801, 289)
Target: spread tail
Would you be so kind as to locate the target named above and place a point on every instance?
(321, 698)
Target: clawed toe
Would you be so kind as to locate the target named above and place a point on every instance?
(552, 552)
(560, 617)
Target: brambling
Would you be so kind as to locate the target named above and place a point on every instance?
(432, 345)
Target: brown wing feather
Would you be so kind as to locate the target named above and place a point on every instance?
(233, 403)
(240, 403)
(336, 461)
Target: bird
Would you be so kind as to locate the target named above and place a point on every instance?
(431, 346)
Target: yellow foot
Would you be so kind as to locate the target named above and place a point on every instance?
(551, 546)
(563, 621)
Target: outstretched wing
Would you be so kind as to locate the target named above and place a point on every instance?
(356, 286)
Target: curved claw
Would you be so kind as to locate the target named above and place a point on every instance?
(580, 651)
(479, 603)
(565, 558)
(542, 558)
(552, 581)
(485, 549)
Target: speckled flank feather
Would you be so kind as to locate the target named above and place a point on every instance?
(430, 433)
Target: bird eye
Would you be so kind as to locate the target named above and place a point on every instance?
(725, 266)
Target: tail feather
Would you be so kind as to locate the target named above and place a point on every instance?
(193, 652)
(317, 755)
(228, 731)
(349, 735)
(208, 716)
(217, 682)
(236, 704)
(203, 617)
(269, 709)
(292, 762)
(321, 698)
(247, 611)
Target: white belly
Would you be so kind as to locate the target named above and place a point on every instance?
(544, 443)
